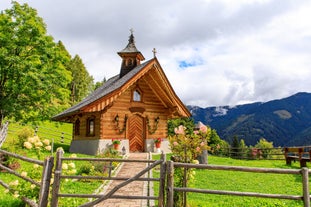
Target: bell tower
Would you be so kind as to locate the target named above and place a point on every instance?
(131, 57)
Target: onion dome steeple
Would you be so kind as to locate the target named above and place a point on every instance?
(131, 57)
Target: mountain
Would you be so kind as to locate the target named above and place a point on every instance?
(285, 122)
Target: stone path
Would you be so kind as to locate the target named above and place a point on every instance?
(136, 188)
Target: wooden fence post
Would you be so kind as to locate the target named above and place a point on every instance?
(45, 181)
(162, 180)
(170, 184)
(57, 174)
(305, 186)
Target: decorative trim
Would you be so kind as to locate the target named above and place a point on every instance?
(156, 122)
(116, 120)
(137, 109)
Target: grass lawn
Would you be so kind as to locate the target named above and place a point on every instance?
(53, 132)
(204, 179)
(244, 182)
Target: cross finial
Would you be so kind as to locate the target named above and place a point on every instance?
(154, 52)
(131, 30)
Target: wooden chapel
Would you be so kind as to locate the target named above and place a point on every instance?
(133, 106)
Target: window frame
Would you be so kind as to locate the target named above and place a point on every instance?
(90, 126)
(138, 92)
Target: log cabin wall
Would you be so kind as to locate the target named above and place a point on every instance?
(149, 107)
(80, 128)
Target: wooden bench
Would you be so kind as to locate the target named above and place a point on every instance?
(297, 154)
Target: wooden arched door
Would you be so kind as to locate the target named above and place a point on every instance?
(136, 133)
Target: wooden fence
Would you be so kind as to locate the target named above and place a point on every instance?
(166, 176)
(3, 132)
(45, 178)
(304, 172)
(58, 177)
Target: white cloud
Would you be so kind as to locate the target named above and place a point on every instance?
(231, 51)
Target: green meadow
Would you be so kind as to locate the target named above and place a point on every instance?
(204, 179)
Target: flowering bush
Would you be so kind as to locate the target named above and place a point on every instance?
(21, 187)
(116, 141)
(34, 143)
(186, 147)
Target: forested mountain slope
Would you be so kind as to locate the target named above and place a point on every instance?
(285, 122)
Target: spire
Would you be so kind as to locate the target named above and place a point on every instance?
(131, 57)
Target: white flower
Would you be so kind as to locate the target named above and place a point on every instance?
(48, 148)
(195, 161)
(16, 195)
(32, 186)
(31, 140)
(38, 144)
(46, 142)
(14, 183)
(24, 174)
(73, 156)
(6, 191)
(72, 165)
(73, 171)
(65, 166)
(35, 166)
(28, 145)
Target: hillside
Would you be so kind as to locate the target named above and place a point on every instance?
(285, 122)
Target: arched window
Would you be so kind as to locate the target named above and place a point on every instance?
(136, 95)
(77, 127)
(90, 126)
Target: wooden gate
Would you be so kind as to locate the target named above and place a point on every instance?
(136, 133)
(124, 181)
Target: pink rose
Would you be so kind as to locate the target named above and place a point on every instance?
(180, 130)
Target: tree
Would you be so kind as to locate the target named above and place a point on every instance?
(82, 83)
(235, 147)
(33, 77)
(265, 147)
(99, 83)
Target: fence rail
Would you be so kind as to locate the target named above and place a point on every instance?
(304, 172)
(45, 178)
(56, 194)
(3, 132)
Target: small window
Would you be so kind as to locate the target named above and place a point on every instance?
(90, 126)
(77, 127)
(136, 96)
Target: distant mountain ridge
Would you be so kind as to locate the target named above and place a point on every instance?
(285, 122)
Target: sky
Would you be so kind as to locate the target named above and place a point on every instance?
(214, 52)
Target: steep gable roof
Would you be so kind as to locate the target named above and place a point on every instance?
(150, 70)
(111, 85)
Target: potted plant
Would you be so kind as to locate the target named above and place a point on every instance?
(157, 142)
(116, 143)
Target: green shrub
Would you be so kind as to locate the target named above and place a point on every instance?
(85, 169)
(23, 134)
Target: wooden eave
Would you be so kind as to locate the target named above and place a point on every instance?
(159, 85)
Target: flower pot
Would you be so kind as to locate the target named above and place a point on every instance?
(158, 144)
(116, 146)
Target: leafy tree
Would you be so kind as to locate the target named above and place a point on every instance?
(265, 147)
(99, 83)
(33, 77)
(214, 142)
(235, 151)
(82, 83)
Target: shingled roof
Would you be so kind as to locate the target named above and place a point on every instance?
(111, 85)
